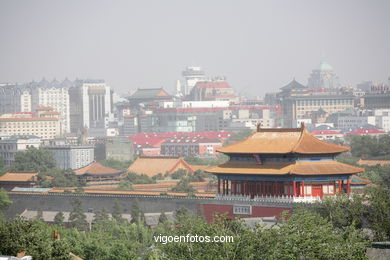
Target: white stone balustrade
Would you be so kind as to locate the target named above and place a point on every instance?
(270, 199)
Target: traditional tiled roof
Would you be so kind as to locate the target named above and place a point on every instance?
(19, 177)
(154, 165)
(355, 180)
(293, 85)
(149, 93)
(97, 169)
(284, 168)
(283, 140)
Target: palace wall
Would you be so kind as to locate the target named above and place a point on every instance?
(149, 204)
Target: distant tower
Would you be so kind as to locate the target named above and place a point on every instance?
(191, 76)
(179, 93)
(323, 77)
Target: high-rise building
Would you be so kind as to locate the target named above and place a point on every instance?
(90, 105)
(192, 75)
(55, 95)
(14, 98)
(323, 77)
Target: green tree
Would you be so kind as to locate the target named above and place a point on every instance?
(163, 218)
(137, 216)
(184, 186)
(101, 216)
(135, 178)
(116, 164)
(182, 214)
(379, 212)
(77, 218)
(33, 159)
(4, 200)
(59, 218)
(307, 235)
(341, 211)
(117, 212)
(125, 185)
(32, 236)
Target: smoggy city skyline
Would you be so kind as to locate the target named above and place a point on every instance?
(258, 45)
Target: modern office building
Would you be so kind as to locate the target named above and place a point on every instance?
(91, 105)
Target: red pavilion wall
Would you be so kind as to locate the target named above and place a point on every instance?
(208, 211)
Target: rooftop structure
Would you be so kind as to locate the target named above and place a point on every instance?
(96, 172)
(152, 166)
(10, 180)
(213, 90)
(323, 77)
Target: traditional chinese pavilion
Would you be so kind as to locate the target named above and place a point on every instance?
(283, 163)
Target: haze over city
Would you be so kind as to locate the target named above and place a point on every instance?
(258, 45)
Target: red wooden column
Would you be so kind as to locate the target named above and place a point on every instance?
(223, 187)
(234, 187)
(219, 186)
(303, 189)
(295, 188)
(349, 186)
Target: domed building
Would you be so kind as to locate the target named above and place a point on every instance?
(323, 77)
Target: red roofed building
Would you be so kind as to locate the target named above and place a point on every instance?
(327, 134)
(213, 90)
(280, 167)
(96, 172)
(370, 132)
(10, 180)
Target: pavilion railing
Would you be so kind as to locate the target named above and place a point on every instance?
(270, 199)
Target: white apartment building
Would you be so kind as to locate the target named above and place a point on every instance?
(28, 123)
(9, 146)
(55, 97)
(72, 157)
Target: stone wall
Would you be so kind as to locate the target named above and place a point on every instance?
(90, 202)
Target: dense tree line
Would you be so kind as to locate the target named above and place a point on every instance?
(332, 229)
(42, 161)
(305, 235)
(370, 146)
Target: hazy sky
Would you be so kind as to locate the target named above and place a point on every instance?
(258, 45)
